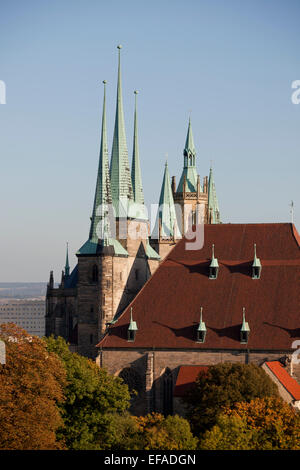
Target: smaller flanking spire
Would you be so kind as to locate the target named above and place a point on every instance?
(213, 206)
(166, 220)
(188, 180)
(103, 192)
(67, 266)
(136, 169)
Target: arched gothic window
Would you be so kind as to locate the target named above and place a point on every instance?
(132, 378)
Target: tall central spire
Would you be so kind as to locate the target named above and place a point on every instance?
(121, 186)
(103, 192)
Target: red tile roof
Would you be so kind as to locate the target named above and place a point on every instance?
(187, 376)
(290, 384)
(167, 308)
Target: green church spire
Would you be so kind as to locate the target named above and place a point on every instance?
(103, 192)
(213, 206)
(166, 221)
(67, 266)
(189, 173)
(121, 186)
(136, 169)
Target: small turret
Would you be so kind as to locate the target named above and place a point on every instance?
(132, 329)
(214, 265)
(201, 331)
(245, 330)
(256, 266)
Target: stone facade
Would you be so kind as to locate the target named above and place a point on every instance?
(106, 284)
(153, 373)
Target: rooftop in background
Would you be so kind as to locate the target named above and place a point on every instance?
(167, 309)
(187, 376)
(290, 384)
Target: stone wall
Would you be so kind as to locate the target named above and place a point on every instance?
(158, 368)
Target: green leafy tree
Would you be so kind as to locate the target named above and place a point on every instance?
(91, 393)
(150, 432)
(31, 385)
(223, 385)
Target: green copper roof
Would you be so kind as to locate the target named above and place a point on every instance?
(136, 169)
(245, 325)
(214, 261)
(256, 262)
(137, 209)
(189, 149)
(92, 248)
(121, 186)
(166, 212)
(201, 326)
(67, 266)
(213, 206)
(132, 324)
(150, 252)
(99, 241)
(189, 171)
(103, 192)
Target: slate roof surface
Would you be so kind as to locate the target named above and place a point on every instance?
(167, 308)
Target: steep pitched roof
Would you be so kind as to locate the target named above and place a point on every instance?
(167, 308)
(102, 192)
(166, 216)
(290, 384)
(121, 185)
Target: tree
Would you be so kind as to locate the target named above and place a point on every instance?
(91, 393)
(277, 424)
(151, 432)
(31, 385)
(224, 385)
(229, 433)
(263, 424)
(171, 433)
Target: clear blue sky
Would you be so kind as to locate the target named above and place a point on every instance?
(230, 62)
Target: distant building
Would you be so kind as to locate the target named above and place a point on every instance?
(28, 314)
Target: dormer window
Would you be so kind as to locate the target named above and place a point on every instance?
(245, 330)
(256, 266)
(214, 265)
(201, 331)
(132, 329)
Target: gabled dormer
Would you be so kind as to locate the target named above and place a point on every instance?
(214, 265)
(256, 266)
(132, 329)
(201, 330)
(245, 330)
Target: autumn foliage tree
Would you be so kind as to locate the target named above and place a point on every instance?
(261, 424)
(31, 385)
(91, 395)
(223, 385)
